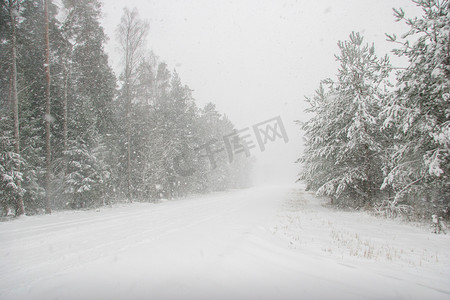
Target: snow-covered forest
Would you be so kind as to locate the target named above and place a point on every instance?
(379, 134)
(75, 136)
(118, 180)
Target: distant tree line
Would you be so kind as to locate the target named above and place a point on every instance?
(74, 135)
(381, 140)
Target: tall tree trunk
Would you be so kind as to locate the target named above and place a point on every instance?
(368, 190)
(128, 117)
(65, 120)
(10, 97)
(66, 86)
(48, 157)
(13, 5)
(128, 96)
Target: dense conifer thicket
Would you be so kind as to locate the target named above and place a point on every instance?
(382, 141)
(110, 138)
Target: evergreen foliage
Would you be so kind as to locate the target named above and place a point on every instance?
(384, 142)
(143, 124)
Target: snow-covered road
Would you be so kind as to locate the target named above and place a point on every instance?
(261, 243)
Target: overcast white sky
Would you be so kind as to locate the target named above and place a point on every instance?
(257, 59)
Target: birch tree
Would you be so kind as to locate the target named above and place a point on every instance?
(131, 33)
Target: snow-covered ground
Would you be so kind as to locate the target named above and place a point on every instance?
(261, 243)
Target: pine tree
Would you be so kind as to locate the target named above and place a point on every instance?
(180, 118)
(88, 86)
(87, 175)
(419, 112)
(343, 153)
(88, 141)
(143, 111)
(10, 173)
(31, 84)
(214, 171)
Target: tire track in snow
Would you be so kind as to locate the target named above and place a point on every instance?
(65, 260)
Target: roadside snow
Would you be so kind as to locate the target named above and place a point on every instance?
(262, 243)
(416, 262)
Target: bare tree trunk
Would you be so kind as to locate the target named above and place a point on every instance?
(368, 183)
(65, 120)
(66, 86)
(10, 101)
(48, 157)
(128, 96)
(13, 5)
